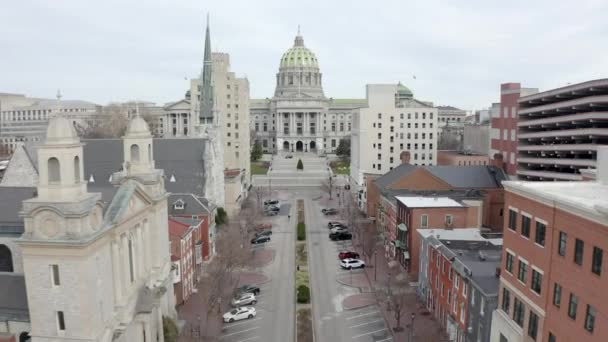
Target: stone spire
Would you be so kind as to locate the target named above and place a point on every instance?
(206, 101)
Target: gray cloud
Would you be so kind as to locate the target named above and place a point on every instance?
(460, 51)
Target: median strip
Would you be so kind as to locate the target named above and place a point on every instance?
(304, 328)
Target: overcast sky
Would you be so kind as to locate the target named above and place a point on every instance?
(460, 51)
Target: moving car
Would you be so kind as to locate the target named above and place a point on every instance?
(351, 263)
(329, 211)
(237, 314)
(271, 202)
(348, 255)
(260, 239)
(340, 236)
(334, 224)
(247, 289)
(264, 233)
(339, 230)
(244, 299)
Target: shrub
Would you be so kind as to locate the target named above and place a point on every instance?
(300, 165)
(256, 152)
(221, 217)
(301, 232)
(303, 294)
(169, 329)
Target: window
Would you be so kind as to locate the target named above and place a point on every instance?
(506, 300)
(379, 115)
(518, 312)
(522, 274)
(54, 170)
(60, 321)
(572, 306)
(552, 338)
(533, 325)
(596, 264)
(557, 295)
(590, 318)
(525, 226)
(424, 221)
(55, 275)
(563, 237)
(509, 263)
(512, 219)
(537, 280)
(379, 166)
(456, 281)
(379, 135)
(579, 247)
(76, 169)
(503, 338)
(448, 218)
(464, 289)
(449, 295)
(539, 235)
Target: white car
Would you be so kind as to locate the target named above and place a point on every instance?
(244, 299)
(244, 312)
(339, 230)
(352, 263)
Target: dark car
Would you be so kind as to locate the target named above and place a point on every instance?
(264, 233)
(271, 202)
(247, 289)
(339, 236)
(335, 224)
(329, 211)
(289, 156)
(272, 208)
(260, 239)
(348, 255)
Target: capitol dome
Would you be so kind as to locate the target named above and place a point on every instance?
(299, 56)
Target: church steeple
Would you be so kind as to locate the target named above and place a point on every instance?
(206, 100)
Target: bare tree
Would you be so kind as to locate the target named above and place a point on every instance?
(399, 292)
(328, 186)
(259, 192)
(111, 123)
(369, 238)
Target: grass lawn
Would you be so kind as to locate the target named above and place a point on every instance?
(340, 168)
(259, 168)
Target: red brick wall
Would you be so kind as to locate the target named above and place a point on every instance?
(506, 123)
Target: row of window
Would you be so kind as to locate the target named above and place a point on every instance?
(522, 272)
(519, 312)
(409, 147)
(526, 224)
(573, 307)
(409, 136)
(409, 125)
(579, 252)
(409, 116)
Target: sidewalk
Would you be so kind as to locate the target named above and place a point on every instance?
(194, 314)
(373, 283)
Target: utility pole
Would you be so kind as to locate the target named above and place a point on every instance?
(375, 263)
(411, 335)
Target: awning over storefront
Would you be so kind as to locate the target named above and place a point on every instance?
(402, 227)
(406, 255)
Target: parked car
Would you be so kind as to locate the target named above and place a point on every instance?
(260, 239)
(244, 299)
(271, 213)
(247, 289)
(339, 230)
(237, 314)
(272, 208)
(348, 255)
(329, 211)
(334, 224)
(271, 202)
(351, 263)
(347, 187)
(339, 236)
(289, 156)
(264, 233)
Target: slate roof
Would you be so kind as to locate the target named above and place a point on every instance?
(10, 206)
(193, 205)
(473, 176)
(13, 298)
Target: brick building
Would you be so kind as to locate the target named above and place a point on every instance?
(458, 280)
(461, 158)
(553, 278)
(503, 135)
(182, 258)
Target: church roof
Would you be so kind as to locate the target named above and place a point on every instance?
(10, 206)
(13, 298)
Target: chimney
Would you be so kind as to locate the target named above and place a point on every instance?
(405, 157)
(601, 173)
(497, 161)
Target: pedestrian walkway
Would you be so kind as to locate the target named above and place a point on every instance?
(283, 172)
(374, 283)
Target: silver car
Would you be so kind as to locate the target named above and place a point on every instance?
(244, 299)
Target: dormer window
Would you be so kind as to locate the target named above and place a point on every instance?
(172, 179)
(91, 179)
(178, 205)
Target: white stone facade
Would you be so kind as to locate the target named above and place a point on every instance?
(393, 122)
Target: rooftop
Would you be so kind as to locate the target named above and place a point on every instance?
(178, 228)
(428, 202)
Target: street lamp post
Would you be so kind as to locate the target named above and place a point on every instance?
(375, 263)
(411, 338)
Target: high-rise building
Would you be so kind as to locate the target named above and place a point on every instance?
(503, 136)
(392, 122)
(553, 278)
(299, 117)
(559, 131)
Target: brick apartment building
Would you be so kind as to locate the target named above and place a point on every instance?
(182, 258)
(559, 131)
(553, 279)
(503, 133)
(418, 213)
(459, 280)
(409, 177)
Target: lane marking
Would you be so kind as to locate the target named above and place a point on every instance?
(386, 339)
(238, 332)
(365, 314)
(369, 333)
(366, 323)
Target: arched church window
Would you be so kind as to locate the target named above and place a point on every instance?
(76, 169)
(134, 153)
(53, 170)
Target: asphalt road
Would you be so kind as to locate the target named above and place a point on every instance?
(275, 320)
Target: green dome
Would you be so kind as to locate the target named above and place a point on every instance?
(403, 90)
(299, 56)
